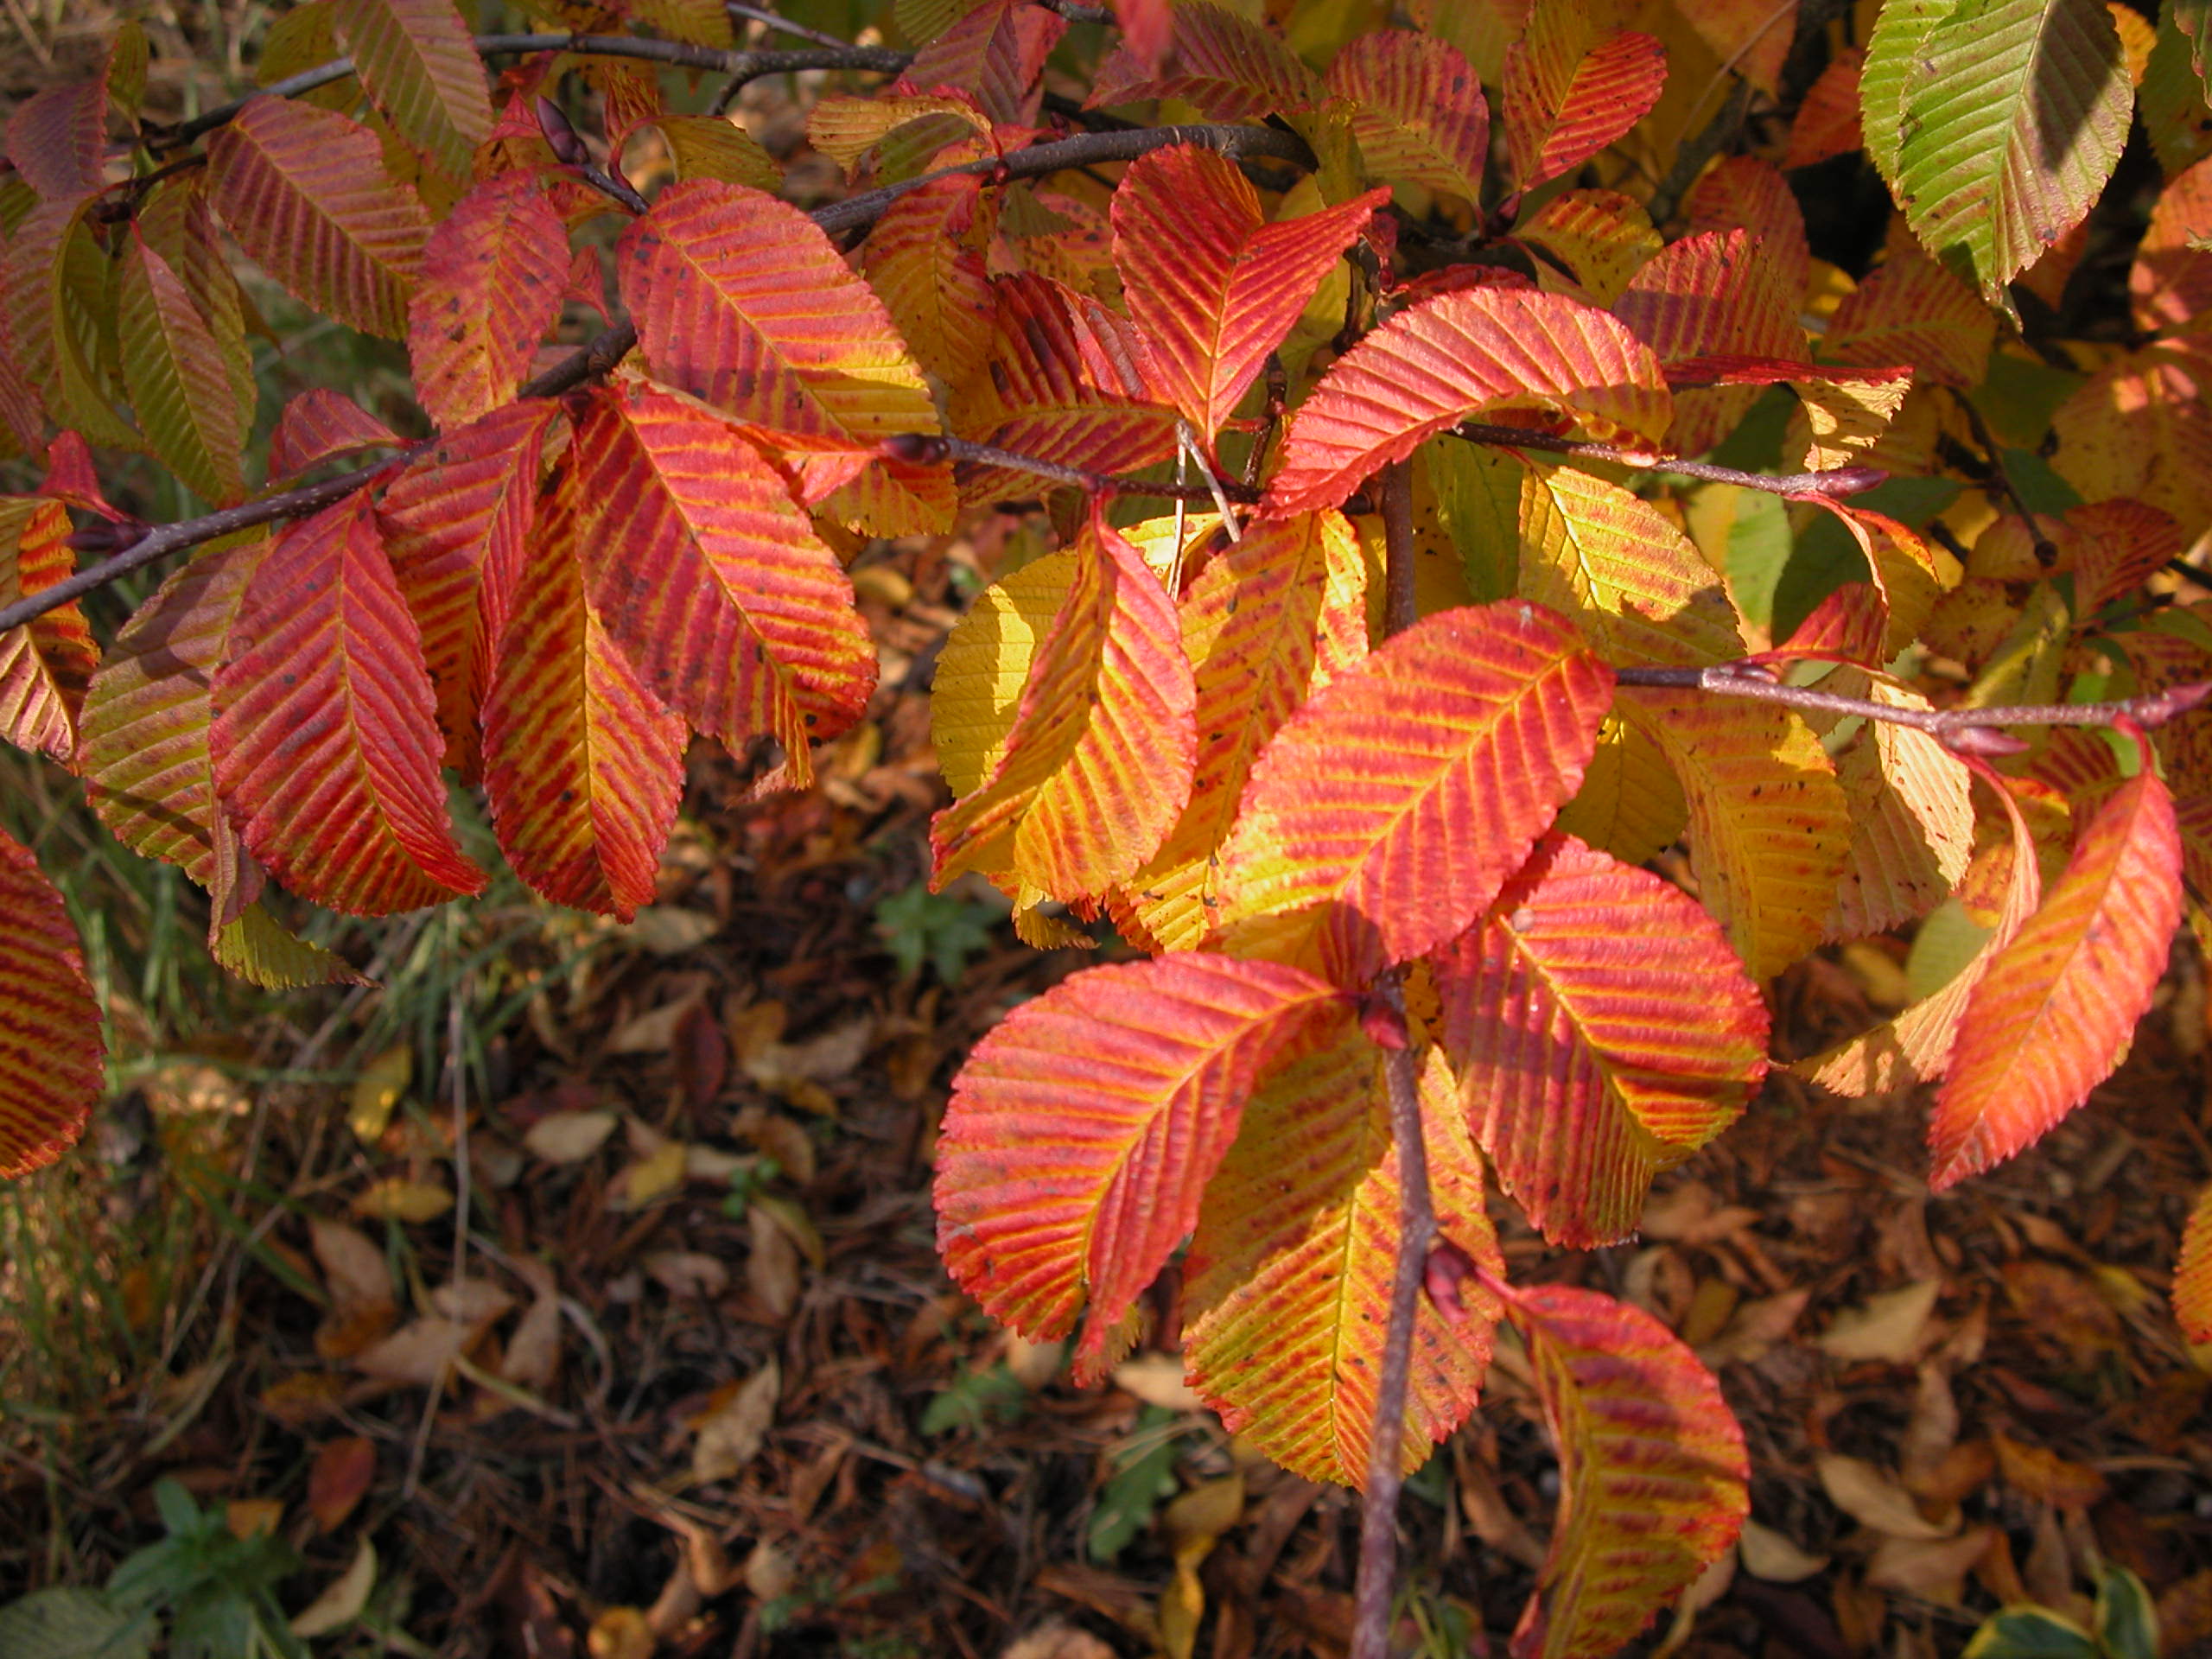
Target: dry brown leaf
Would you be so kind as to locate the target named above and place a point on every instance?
(772, 1265)
(533, 1356)
(652, 1177)
(1931, 1430)
(1034, 1364)
(360, 1282)
(341, 1602)
(419, 1353)
(1872, 1497)
(1059, 1641)
(669, 929)
(1890, 1326)
(338, 1480)
(2035, 1472)
(473, 1302)
(1756, 1326)
(798, 1225)
(768, 1572)
(1693, 1214)
(687, 1273)
(737, 1419)
(569, 1137)
(1157, 1379)
(781, 1138)
(653, 1032)
(1935, 1571)
(1193, 1521)
(398, 1199)
(819, 1059)
(1495, 1521)
(1773, 1556)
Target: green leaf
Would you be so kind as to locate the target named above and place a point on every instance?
(72, 1624)
(975, 1400)
(2126, 1618)
(1899, 32)
(2030, 1633)
(1144, 1475)
(2014, 114)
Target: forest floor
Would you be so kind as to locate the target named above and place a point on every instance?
(696, 1384)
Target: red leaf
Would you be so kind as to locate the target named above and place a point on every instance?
(1147, 29)
(320, 425)
(582, 766)
(57, 138)
(455, 520)
(491, 285)
(1296, 1247)
(305, 193)
(1231, 68)
(996, 51)
(325, 738)
(1603, 1030)
(1828, 120)
(1569, 93)
(51, 1070)
(1909, 309)
(710, 578)
(1213, 285)
(1709, 295)
(46, 663)
(1489, 354)
(1417, 110)
(1389, 809)
(1654, 1482)
(742, 300)
(339, 1479)
(2056, 1008)
(1744, 193)
(1097, 767)
(2170, 284)
(1082, 1132)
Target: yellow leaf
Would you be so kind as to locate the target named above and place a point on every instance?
(398, 1199)
(341, 1602)
(659, 1173)
(984, 664)
(377, 1091)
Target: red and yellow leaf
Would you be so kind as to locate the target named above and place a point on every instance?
(304, 192)
(710, 578)
(925, 260)
(1912, 819)
(997, 52)
(51, 1055)
(1769, 829)
(1596, 240)
(583, 766)
(2170, 284)
(175, 370)
(1653, 1480)
(2056, 1010)
(147, 768)
(1231, 68)
(1915, 1045)
(743, 301)
(419, 66)
(2192, 1294)
(1489, 354)
(1213, 286)
(455, 522)
(45, 664)
(320, 425)
(1744, 193)
(1097, 764)
(1603, 1030)
(1572, 86)
(1709, 295)
(1386, 812)
(1417, 110)
(1082, 1131)
(1290, 1269)
(1828, 119)
(1271, 618)
(325, 738)
(490, 290)
(1909, 309)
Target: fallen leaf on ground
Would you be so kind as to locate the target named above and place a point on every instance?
(1872, 1497)
(2034, 1472)
(341, 1602)
(1693, 1214)
(569, 1137)
(1773, 1556)
(687, 1273)
(476, 1302)
(1755, 1328)
(619, 1633)
(399, 1200)
(376, 1091)
(1890, 1326)
(339, 1478)
(1157, 1379)
(1935, 1571)
(670, 929)
(734, 1424)
(249, 1517)
(419, 1353)
(533, 1356)
(654, 1176)
(1058, 1641)
(772, 1265)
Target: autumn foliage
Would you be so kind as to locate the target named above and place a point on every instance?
(1457, 752)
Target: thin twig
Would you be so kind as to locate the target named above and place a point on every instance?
(925, 448)
(781, 24)
(1378, 1513)
(2046, 550)
(1755, 681)
(1836, 482)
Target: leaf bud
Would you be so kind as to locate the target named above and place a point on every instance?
(1447, 1264)
(915, 449)
(1983, 740)
(560, 136)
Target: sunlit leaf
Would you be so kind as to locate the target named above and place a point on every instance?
(325, 740)
(1911, 820)
(51, 1072)
(1598, 238)
(1572, 86)
(711, 579)
(1488, 354)
(1603, 1030)
(262, 952)
(1654, 1482)
(1097, 762)
(490, 290)
(2054, 1012)
(304, 192)
(1711, 294)
(45, 664)
(997, 52)
(925, 260)
(1909, 309)
(1213, 285)
(1289, 1273)
(1417, 110)
(1386, 812)
(1828, 119)
(1082, 1131)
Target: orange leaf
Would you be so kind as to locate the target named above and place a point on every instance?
(1215, 287)
(1911, 818)
(1296, 1247)
(742, 300)
(1389, 811)
(1598, 239)
(1570, 90)
(1535, 359)
(321, 425)
(1603, 1030)
(456, 521)
(1097, 766)
(1082, 1130)
(1654, 1482)
(2170, 284)
(46, 663)
(304, 191)
(1909, 309)
(492, 274)
(2057, 1006)
(51, 1067)
(583, 766)
(1270, 620)
(711, 579)
(2192, 1295)
(1744, 193)
(326, 739)
(925, 263)
(1828, 120)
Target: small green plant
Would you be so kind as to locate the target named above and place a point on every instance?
(2125, 1626)
(747, 1183)
(217, 1589)
(974, 1399)
(1143, 1478)
(918, 925)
